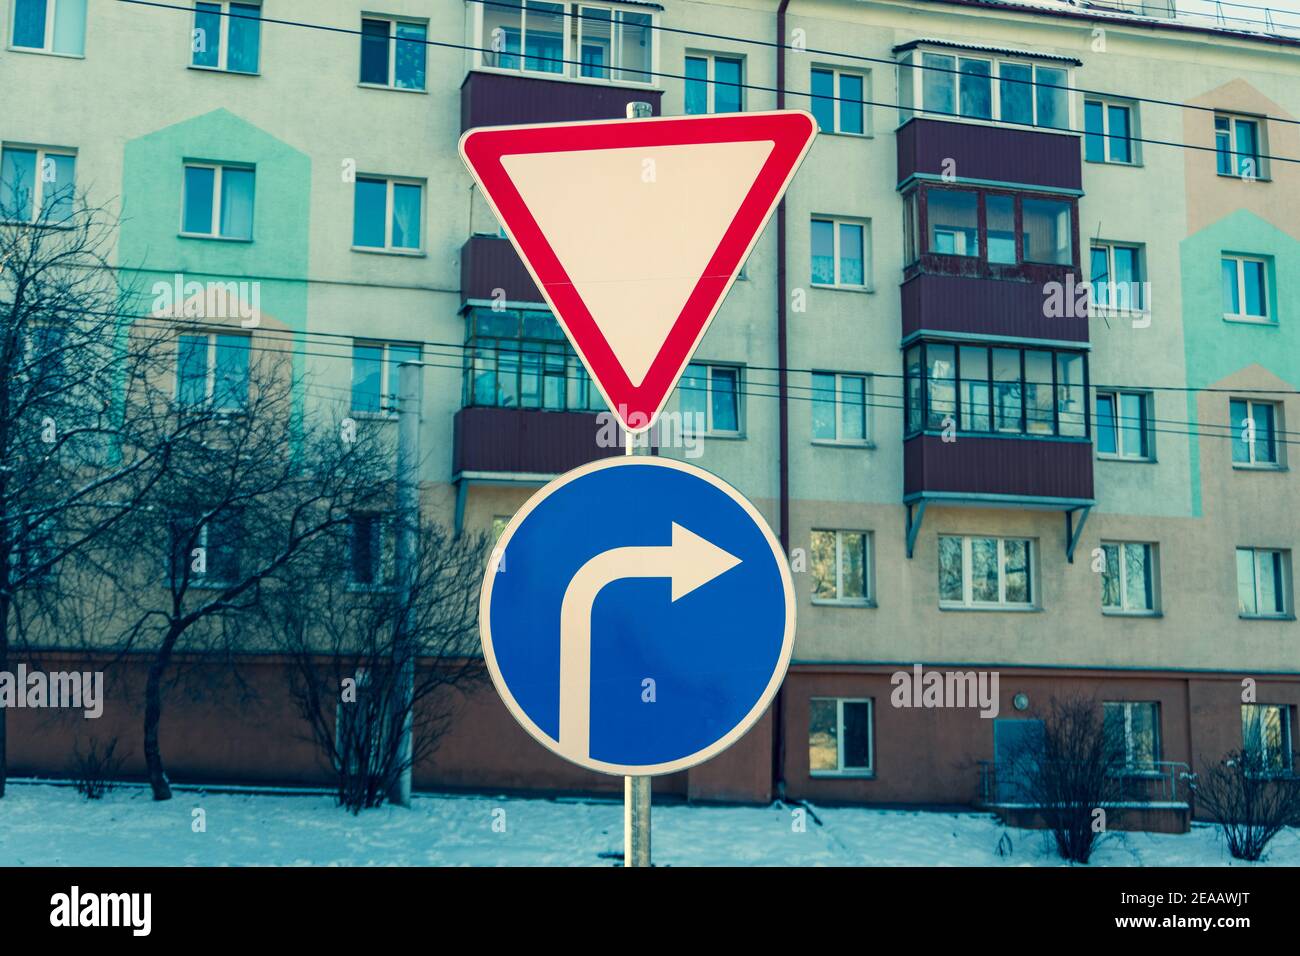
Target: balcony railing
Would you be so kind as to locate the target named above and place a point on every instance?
(1161, 783)
(507, 99)
(980, 152)
(488, 441)
(1006, 308)
(992, 468)
(490, 269)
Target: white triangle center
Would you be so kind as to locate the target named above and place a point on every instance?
(634, 228)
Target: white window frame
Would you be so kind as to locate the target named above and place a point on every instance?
(866, 440)
(1133, 135)
(1283, 585)
(710, 431)
(1278, 442)
(1120, 454)
(1239, 261)
(48, 47)
(38, 188)
(572, 71)
(710, 79)
(386, 384)
(838, 104)
(968, 603)
(223, 39)
(210, 376)
(868, 566)
(1287, 745)
(1261, 147)
(389, 183)
(1153, 577)
(217, 177)
(841, 770)
(1138, 288)
(392, 22)
(918, 70)
(837, 222)
(1130, 767)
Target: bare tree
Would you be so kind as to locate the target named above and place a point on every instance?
(66, 477)
(351, 630)
(1252, 798)
(1074, 769)
(255, 474)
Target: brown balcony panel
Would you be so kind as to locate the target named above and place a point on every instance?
(1017, 467)
(524, 441)
(488, 263)
(981, 306)
(996, 154)
(504, 99)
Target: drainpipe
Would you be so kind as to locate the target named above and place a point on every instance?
(782, 389)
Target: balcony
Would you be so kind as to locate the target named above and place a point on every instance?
(489, 263)
(528, 444)
(979, 306)
(506, 99)
(1052, 473)
(977, 152)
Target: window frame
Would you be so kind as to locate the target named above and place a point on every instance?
(837, 101)
(711, 82)
(968, 603)
(210, 374)
(218, 176)
(911, 71)
(38, 188)
(393, 20)
(1235, 157)
(577, 383)
(1239, 261)
(230, 520)
(51, 17)
(1287, 766)
(1131, 767)
(387, 367)
(710, 431)
(1283, 584)
(838, 223)
(1152, 571)
(390, 192)
(866, 441)
(1147, 425)
(868, 598)
(1279, 445)
(1137, 286)
(223, 37)
(1107, 137)
(384, 567)
(841, 770)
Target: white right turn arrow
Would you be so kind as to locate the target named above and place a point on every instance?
(690, 561)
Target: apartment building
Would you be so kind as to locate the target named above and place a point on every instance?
(1009, 374)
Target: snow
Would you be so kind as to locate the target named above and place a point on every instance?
(44, 825)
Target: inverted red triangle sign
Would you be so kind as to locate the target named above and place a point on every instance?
(635, 230)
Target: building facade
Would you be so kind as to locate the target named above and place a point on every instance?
(1009, 373)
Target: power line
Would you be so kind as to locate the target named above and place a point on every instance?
(749, 86)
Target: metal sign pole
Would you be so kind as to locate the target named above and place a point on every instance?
(636, 790)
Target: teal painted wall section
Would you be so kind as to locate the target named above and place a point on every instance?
(1215, 348)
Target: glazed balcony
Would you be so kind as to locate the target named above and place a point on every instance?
(938, 149)
(509, 99)
(489, 263)
(523, 442)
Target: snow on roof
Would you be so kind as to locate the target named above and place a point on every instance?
(1003, 51)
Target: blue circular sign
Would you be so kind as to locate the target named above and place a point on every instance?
(637, 615)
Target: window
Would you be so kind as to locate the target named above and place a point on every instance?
(1048, 231)
(983, 88)
(1245, 289)
(985, 572)
(521, 359)
(50, 26)
(1124, 425)
(839, 407)
(568, 39)
(1254, 432)
(839, 254)
(999, 228)
(954, 222)
(1237, 147)
(1132, 727)
(386, 214)
(375, 375)
(227, 36)
(841, 566)
(1108, 132)
(839, 736)
(212, 369)
(1266, 734)
(837, 100)
(371, 550)
(711, 394)
(713, 84)
(37, 185)
(1116, 277)
(393, 53)
(1128, 579)
(218, 201)
(206, 555)
(34, 555)
(1038, 392)
(1262, 582)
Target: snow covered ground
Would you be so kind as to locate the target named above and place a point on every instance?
(49, 825)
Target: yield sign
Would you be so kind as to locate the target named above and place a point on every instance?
(634, 230)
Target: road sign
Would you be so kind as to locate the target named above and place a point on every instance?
(634, 230)
(637, 640)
